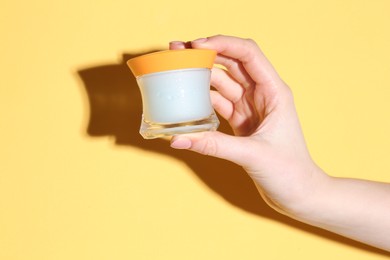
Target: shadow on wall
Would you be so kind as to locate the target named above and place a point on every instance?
(115, 110)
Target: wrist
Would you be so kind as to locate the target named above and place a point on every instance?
(305, 200)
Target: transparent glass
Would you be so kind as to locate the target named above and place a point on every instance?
(176, 102)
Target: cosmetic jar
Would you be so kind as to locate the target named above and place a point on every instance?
(175, 90)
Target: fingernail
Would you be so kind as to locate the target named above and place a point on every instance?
(181, 143)
(200, 40)
(176, 42)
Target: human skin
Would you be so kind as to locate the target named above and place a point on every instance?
(269, 144)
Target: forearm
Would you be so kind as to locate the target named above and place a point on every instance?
(357, 209)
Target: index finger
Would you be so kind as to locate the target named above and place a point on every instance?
(245, 51)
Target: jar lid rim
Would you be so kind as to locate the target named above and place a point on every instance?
(171, 60)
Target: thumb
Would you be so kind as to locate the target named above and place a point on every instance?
(216, 144)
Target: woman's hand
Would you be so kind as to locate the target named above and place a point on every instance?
(259, 106)
(269, 144)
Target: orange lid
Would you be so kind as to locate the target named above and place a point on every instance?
(171, 60)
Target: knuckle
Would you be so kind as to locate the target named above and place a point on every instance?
(251, 42)
(289, 94)
(230, 64)
(209, 147)
(252, 48)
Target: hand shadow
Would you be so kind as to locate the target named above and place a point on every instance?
(115, 110)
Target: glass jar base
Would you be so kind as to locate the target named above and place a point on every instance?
(150, 130)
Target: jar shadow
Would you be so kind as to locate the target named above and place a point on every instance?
(115, 109)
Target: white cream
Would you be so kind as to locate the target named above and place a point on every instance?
(176, 96)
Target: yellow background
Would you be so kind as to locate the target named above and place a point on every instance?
(78, 182)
